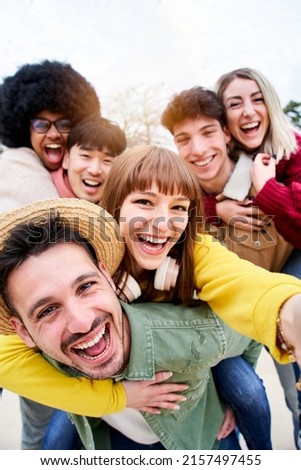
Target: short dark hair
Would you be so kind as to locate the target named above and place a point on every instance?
(191, 104)
(96, 132)
(31, 239)
(51, 86)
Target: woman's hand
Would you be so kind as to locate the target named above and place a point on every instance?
(290, 324)
(240, 214)
(151, 396)
(228, 424)
(263, 169)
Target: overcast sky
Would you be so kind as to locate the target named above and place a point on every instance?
(176, 43)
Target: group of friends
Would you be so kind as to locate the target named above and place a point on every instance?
(139, 285)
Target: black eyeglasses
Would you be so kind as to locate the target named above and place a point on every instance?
(42, 125)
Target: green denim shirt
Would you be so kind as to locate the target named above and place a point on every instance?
(187, 341)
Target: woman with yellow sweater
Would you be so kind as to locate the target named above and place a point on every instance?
(245, 296)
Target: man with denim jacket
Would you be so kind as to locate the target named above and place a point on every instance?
(73, 314)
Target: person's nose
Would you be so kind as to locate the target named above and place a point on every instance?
(95, 167)
(248, 108)
(52, 132)
(199, 146)
(79, 318)
(162, 220)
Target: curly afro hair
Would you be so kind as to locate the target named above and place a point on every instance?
(50, 85)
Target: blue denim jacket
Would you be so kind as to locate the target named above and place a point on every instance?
(188, 341)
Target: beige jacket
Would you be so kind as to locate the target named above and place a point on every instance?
(24, 179)
(268, 248)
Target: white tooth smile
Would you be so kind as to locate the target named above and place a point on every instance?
(92, 183)
(203, 162)
(251, 125)
(92, 342)
(53, 146)
(150, 239)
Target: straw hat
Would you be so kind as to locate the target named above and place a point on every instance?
(92, 222)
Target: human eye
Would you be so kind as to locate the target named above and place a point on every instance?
(234, 104)
(181, 207)
(86, 286)
(259, 100)
(108, 160)
(183, 140)
(143, 202)
(85, 156)
(46, 312)
(209, 132)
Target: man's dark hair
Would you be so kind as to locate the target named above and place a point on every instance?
(96, 132)
(47, 86)
(192, 104)
(31, 239)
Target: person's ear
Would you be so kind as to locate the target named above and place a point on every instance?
(105, 272)
(65, 161)
(227, 134)
(22, 331)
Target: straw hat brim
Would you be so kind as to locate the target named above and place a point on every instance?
(93, 223)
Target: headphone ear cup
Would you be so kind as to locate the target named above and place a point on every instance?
(128, 288)
(166, 274)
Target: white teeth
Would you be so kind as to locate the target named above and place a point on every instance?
(251, 125)
(203, 162)
(92, 342)
(92, 183)
(147, 238)
(53, 146)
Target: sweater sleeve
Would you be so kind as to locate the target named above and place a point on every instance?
(24, 179)
(25, 372)
(209, 201)
(245, 296)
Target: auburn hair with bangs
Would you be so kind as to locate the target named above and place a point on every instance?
(137, 169)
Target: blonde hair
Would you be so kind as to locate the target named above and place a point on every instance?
(136, 169)
(280, 138)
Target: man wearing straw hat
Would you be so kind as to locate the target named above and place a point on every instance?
(56, 259)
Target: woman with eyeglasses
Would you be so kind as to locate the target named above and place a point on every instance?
(38, 107)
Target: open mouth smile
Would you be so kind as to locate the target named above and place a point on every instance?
(250, 127)
(91, 183)
(95, 347)
(151, 243)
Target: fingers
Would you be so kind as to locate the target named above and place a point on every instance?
(228, 424)
(164, 389)
(249, 224)
(170, 402)
(152, 394)
(160, 377)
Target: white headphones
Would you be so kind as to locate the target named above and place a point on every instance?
(128, 290)
(166, 274)
(165, 278)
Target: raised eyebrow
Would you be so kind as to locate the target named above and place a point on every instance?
(46, 300)
(238, 97)
(257, 93)
(40, 303)
(234, 97)
(181, 134)
(201, 129)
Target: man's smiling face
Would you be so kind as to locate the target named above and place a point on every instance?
(69, 310)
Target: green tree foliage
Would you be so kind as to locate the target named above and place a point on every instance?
(293, 111)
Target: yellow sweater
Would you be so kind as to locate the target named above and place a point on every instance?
(245, 296)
